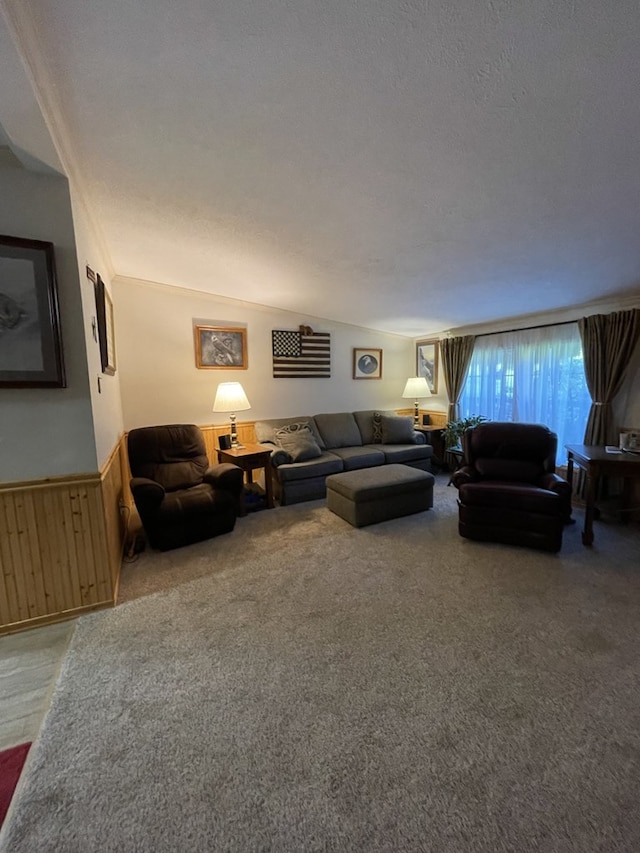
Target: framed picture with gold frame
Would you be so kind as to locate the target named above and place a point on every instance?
(220, 348)
(427, 357)
(367, 363)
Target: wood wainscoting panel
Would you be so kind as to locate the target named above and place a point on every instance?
(246, 435)
(439, 419)
(60, 546)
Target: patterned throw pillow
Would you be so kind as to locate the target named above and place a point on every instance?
(291, 428)
(377, 428)
(299, 442)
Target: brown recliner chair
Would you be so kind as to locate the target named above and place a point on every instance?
(181, 499)
(508, 489)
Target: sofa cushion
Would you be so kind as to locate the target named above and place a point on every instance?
(265, 430)
(359, 457)
(299, 443)
(325, 464)
(397, 429)
(338, 429)
(405, 454)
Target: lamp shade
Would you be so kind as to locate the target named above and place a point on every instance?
(416, 386)
(230, 397)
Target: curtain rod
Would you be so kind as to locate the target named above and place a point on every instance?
(525, 328)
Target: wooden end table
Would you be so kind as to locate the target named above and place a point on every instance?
(596, 462)
(249, 457)
(433, 435)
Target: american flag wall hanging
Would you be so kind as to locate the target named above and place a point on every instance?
(304, 354)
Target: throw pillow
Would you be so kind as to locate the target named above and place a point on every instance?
(296, 427)
(377, 428)
(397, 429)
(299, 443)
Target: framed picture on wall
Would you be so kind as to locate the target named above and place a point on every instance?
(106, 332)
(367, 363)
(427, 353)
(30, 337)
(221, 348)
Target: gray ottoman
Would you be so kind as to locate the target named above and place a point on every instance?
(369, 495)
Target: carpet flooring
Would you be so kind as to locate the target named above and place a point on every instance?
(11, 763)
(300, 685)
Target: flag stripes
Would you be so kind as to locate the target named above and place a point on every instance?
(301, 355)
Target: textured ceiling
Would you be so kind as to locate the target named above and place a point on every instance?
(407, 166)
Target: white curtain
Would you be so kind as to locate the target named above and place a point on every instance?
(531, 376)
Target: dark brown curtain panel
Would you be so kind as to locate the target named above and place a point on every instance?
(455, 357)
(608, 342)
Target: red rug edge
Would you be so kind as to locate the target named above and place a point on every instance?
(11, 763)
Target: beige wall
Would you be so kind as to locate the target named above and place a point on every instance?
(161, 384)
(105, 390)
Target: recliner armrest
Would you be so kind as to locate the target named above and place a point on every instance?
(225, 476)
(555, 483)
(147, 494)
(463, 475)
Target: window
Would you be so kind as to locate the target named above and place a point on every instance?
(532, 376)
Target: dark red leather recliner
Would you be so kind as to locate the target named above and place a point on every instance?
(508, 489)
(180, 498)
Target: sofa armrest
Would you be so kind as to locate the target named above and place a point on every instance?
(280, 456)
(225, 476)
(147, 494)
(419, 438)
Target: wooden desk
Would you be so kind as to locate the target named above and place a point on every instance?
(596, 463)
(250, 457)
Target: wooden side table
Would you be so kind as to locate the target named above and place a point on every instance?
(250, 457)
(433, 435)
(596, 462)
(457, 454)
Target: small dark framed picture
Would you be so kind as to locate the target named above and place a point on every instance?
(106, 331)
(220, 348)
(367, 363)
(427, 362)
(30, 336)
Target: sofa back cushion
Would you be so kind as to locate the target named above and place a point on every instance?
(397, 429)
(370, 425)
(338, 430)
(265, 430)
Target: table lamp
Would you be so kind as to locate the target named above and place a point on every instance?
(230, 397)
(415, 388)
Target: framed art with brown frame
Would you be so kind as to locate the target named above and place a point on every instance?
(30, 336)
(221, 348)
(106, 333)
(427, 354)
(367, 363)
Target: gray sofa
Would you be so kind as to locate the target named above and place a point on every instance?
(307, 449)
